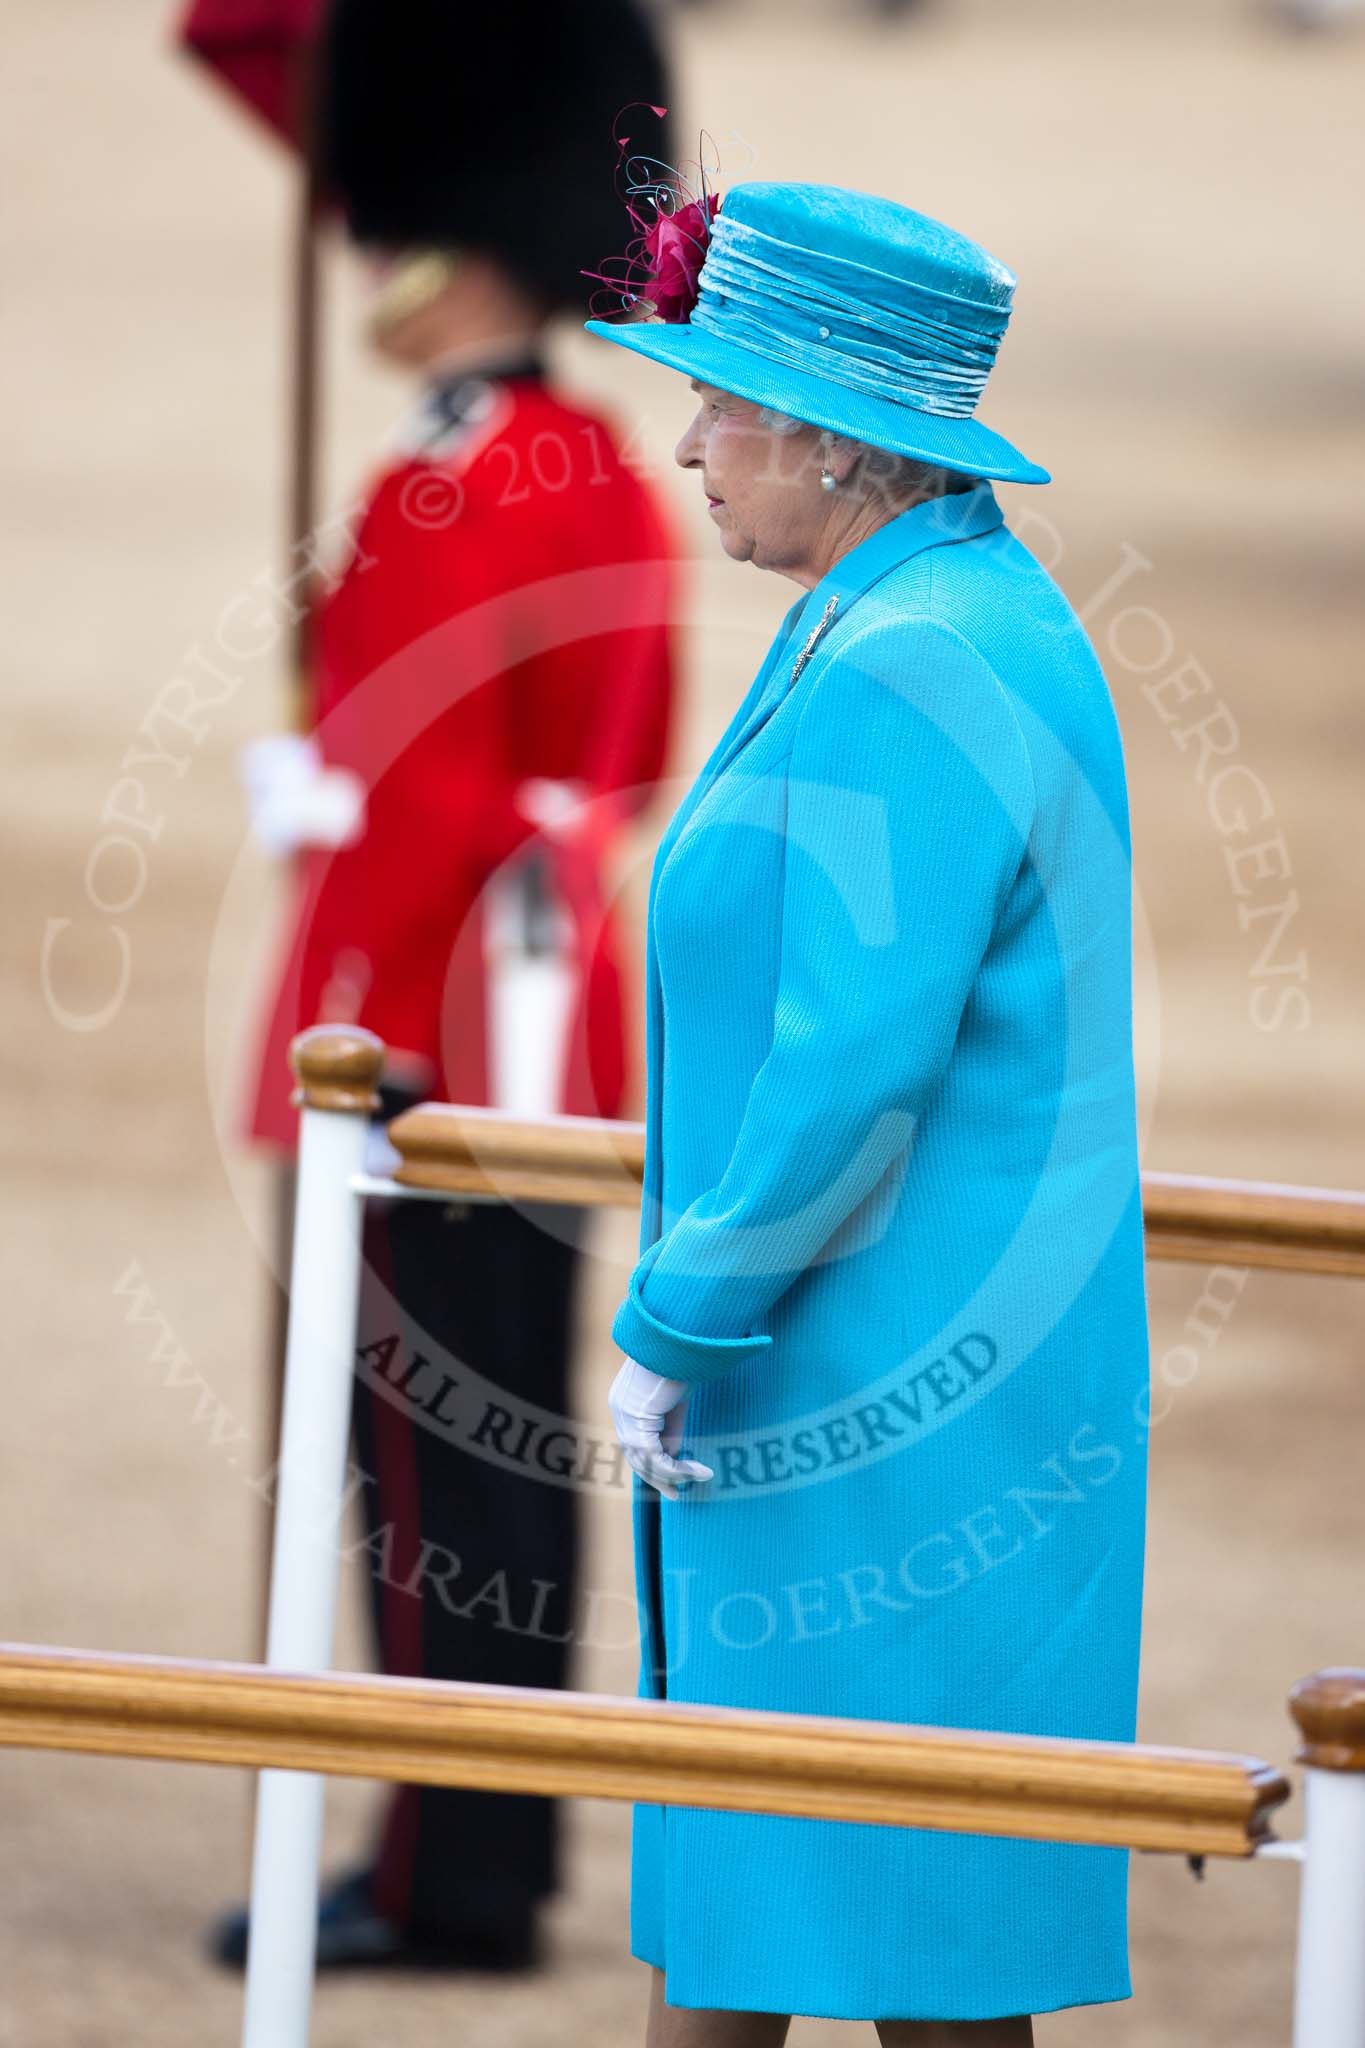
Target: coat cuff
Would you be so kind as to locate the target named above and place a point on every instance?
(676, 1354)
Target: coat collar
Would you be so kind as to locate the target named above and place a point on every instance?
(931, 524)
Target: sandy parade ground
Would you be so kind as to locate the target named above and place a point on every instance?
(1178, 189)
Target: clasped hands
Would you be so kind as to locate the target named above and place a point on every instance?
(648, 1411)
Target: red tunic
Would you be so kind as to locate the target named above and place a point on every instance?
(505, 613)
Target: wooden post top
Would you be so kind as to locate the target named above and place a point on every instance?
(338, 1067)
(1329, 1709)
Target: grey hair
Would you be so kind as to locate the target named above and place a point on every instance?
(778, 422)
(894, 476)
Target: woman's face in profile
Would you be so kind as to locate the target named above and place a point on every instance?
(762, 487)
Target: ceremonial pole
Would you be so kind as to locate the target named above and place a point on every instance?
(305, 407)
(305, 382)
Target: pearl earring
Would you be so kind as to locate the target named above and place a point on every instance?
(827, 482)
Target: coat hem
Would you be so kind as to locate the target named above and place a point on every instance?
(990, 2010)
(872, 2014)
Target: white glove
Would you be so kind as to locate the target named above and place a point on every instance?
(648, 1415)
(294, 800)
(550, 804)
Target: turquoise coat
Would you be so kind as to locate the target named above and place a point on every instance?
(891, 1236)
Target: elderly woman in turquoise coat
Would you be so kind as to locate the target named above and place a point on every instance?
(886, 1336)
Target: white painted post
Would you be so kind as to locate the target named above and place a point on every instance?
(1329, 1988)
(337, 1068)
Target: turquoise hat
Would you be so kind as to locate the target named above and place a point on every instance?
(849, 312)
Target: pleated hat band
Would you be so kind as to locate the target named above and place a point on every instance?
(919, 327)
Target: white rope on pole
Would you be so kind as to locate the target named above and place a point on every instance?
(338, 1070)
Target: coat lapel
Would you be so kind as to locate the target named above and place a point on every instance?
(765, 692)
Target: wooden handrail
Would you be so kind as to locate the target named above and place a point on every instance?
(1254, 1223)
(583, 1159)
(471, 1150)
(512, 1739)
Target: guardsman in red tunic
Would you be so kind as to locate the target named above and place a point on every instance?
(501, 625)
(493, 695)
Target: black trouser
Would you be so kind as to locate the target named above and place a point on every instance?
(473, 1561)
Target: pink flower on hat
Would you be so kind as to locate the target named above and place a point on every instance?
(674, 251)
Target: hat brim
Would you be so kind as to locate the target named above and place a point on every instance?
(927, 437)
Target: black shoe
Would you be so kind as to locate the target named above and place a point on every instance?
(352, 1935)
(503, 1950)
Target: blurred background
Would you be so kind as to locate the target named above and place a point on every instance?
(1177, 184)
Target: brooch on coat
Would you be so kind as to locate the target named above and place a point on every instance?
(812, 637)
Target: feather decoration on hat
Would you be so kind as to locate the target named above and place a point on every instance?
(656, 277)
